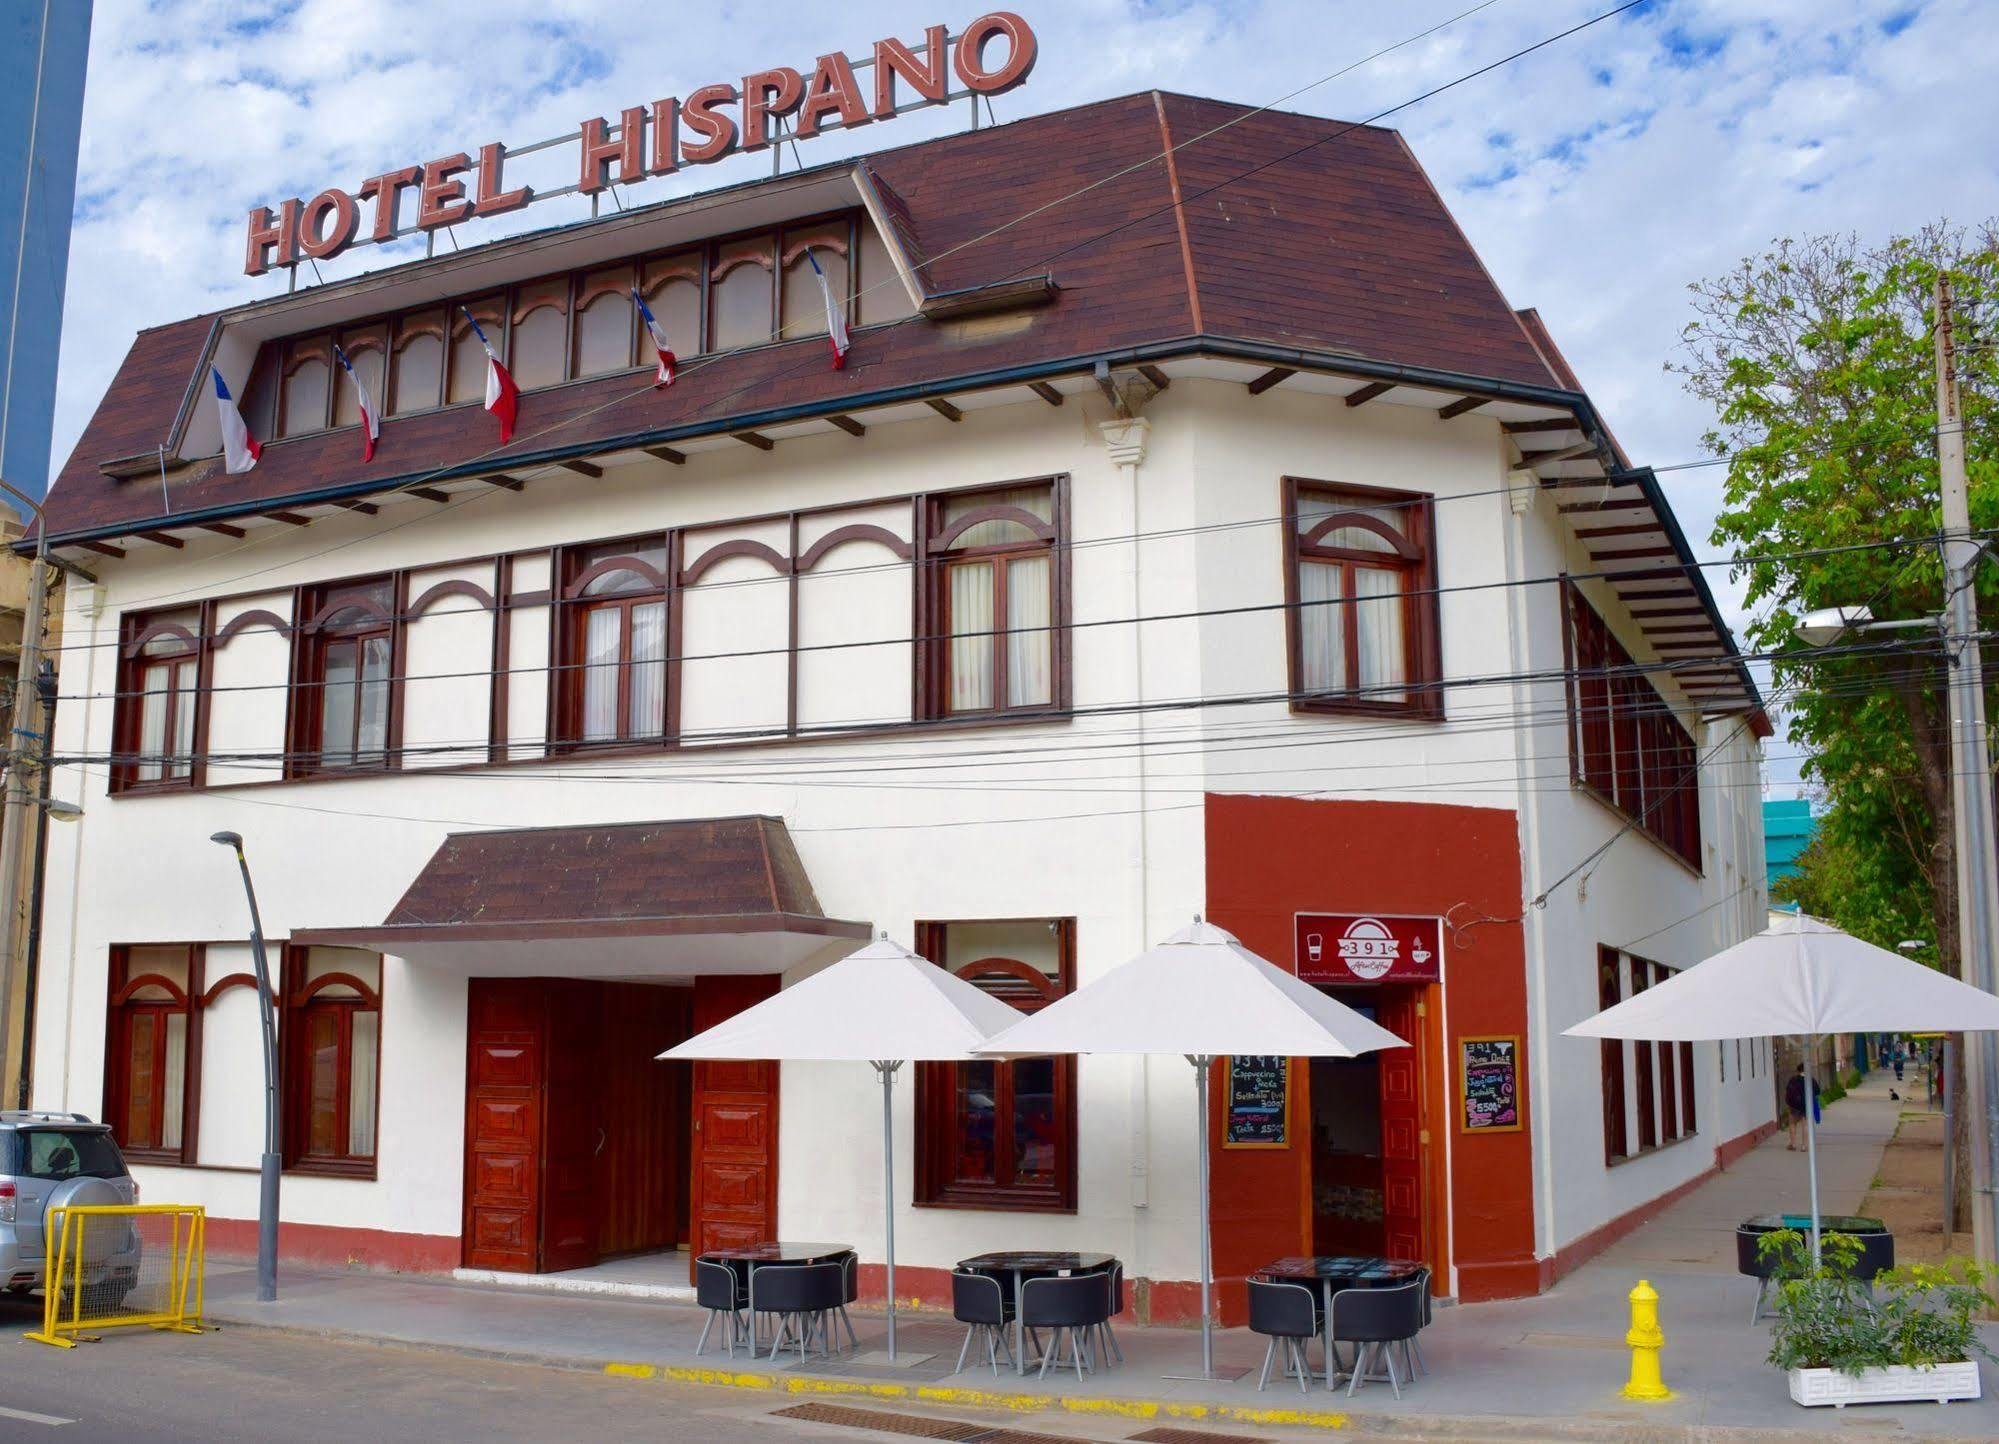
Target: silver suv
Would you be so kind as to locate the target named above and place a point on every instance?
(55, 1160)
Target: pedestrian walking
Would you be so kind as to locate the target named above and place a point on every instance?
(1794, 1105)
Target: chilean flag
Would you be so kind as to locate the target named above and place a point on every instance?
(240, 449)
(668, 362)
(371, 421)
(836, 319)
(502, 396)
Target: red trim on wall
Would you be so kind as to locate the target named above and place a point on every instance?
(319, 1243)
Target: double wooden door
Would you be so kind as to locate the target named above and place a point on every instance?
(576, 1137)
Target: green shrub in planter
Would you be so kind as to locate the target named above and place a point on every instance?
(1925, 1315)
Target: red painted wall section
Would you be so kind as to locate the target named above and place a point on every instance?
(1270, 858)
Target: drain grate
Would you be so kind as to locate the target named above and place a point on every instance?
(879, 1422)
(1190, 1436)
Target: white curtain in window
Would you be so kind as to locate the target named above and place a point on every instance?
(1322, 655)
(175, 1085)
(336, 707)
(972, 637)
(1378, 622)
(153, 725)
(361, 1085)
(183, 719)
(373, 740)
(1029, 654)
(649, 669)
(602, 632)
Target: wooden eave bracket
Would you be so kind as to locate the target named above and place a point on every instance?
(1020, 294)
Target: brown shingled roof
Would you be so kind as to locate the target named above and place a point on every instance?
(1345, 250)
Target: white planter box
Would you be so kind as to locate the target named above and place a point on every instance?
(1899, 1383)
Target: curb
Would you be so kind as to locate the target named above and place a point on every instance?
(1141, 1410)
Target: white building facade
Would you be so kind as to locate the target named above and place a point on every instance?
(1066, 610)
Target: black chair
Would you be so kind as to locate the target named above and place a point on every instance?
(851, 1263)
(1287, 1314)
(1877, 1256)
(1375, 1320)
(722, 1291)
(1412, 1347)
(979, 1303)
(802, 1297)
(1105, 1334)
(1073, 1306)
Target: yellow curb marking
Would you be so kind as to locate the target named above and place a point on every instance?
(1139, 1409)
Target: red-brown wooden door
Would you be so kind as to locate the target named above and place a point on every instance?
(574, 1135)
(1402, 1127)
(734, 1191)
(506, 1026)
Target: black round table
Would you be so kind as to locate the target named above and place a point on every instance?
(1029, 1263)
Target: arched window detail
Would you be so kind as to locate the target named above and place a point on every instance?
(347, 655)
(803, 312)
(740, 293)
(368, 353)
(537, 346)
(149, 1075)
(417, 378)
(1362, 600)
(616, 602)
(158, 710)
(604, 316)
(332, 1032)
(467, 379)
(996, 596)
(305, 388)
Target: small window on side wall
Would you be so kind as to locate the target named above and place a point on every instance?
(1000, 1134)
(1361, 588)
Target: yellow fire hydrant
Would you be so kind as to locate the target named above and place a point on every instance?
(1646, 1341)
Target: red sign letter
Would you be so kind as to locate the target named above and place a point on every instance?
(385, 191)
(703, 119)
(599, 151)
(970, 61)
(494, 201)
(266, 233)
(768, 93)
(665, 136)
(440, 201)
(893, 58)
(315, 237)
(832, 88)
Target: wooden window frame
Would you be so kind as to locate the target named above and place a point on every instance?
(310, 642)
(1627, 748)
(935, 561)
(937, 1185)
(118, 1015)
(1415, 546)
(138, 629)
(297, 1002)
(1644, 1054)
(570, 620)
(1670, 1130)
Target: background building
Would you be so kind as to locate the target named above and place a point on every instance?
(1787, 832)
(44, 46)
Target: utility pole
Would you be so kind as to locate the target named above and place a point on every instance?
(1971, 768)
(20, 799)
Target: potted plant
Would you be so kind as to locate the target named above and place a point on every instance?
(1842, 1345)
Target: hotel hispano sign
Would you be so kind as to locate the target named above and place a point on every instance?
(993, 54)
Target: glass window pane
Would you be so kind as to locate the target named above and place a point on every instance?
(978, 1118)
(604, 325)
(675, 298)
(1036, 501)
(336, 704)
(366, 356)
(804, 303)
(183, 719)
(1030, 673)
(367, 1027)
(1378, 612)
(537, 348)
(1322, 653)
(152, 725)
(971, 608)
(305, 396)
(173, 1088)
(373, 741)
(648, 669)
(1315, 507)
(322, 1081)
(603, 635)
(419, 369)
(619, 583)
(468, 357)
(883, 296)
(740, 297)
(1033, 1120)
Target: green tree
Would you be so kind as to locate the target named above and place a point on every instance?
(1818, 360)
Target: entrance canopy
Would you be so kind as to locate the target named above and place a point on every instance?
(714, 895)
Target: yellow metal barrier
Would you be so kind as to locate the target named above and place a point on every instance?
(122, 1265)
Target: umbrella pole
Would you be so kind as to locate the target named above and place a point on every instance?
(1201, 1065)
(1812, 1140)
(887, 1070)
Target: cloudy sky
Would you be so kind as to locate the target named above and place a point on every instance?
(1597, 176)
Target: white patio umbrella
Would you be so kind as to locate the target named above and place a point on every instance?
(881, 1005)
(1799, 976)
(1200, 994)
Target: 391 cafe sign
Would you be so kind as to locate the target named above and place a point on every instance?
(994, 53)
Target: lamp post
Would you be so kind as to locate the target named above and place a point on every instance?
(267, 1203)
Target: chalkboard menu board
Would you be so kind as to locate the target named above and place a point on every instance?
(1258, 1103)
(1489, 1083)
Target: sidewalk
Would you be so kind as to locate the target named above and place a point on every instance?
(1544, 1368)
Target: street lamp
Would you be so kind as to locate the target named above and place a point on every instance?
(267, 1203)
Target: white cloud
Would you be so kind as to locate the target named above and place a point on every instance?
(1597, 176)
